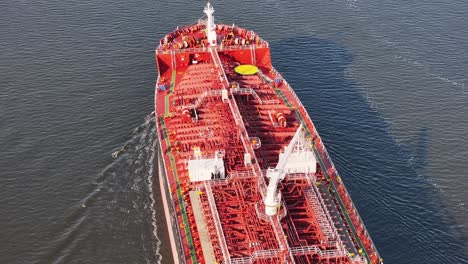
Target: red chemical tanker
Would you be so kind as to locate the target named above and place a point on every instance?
(244, 175)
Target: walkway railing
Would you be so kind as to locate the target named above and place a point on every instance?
(238, 120)
(247, 91)
(260, 254)
(219, 67)
(281, 238)
(200, 99)
(231, 176)
(159, 50)
(217, 222)
(321, 214)
(314, 132)
(316, 250)
(271, 102)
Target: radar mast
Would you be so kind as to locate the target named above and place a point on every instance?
(210, 25)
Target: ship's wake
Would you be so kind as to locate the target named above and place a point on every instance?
(150, 177)
(119, 209)
(139, 154)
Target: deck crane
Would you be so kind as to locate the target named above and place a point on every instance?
(298, 157)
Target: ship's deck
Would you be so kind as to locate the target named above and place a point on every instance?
(316, 223)
(195, 36)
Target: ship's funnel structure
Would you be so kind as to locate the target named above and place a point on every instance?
(210, 25)
(296, 158)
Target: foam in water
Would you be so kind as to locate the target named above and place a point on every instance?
(150, 173)
(121, 198)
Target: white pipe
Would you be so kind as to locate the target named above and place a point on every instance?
(271, 203)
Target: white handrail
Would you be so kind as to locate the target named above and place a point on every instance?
(314, 132)
(247, 91)
(200, 99)
(219, 67)
(160, 50)
(219, 228)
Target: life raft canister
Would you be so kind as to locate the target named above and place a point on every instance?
(281, 119)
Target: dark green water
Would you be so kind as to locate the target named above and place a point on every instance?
(384, 81)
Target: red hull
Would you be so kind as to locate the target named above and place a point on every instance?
(207, 113)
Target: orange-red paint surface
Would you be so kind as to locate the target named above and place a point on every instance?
(317, 221)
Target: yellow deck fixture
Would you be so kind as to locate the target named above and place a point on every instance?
(246, 69)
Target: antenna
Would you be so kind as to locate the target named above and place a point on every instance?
(210, 25)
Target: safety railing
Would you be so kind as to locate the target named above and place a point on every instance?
(309, 250)
(160, 50)
(322, 214)
(263, 44)
(309, 177)
(200, 99)
(238, 120)
(219, 67)
(314, 132)
(231, 176)
(247, 91)
(262, 186)
(260, 210)
(217, 222)
(259, 254)
(280, 236)
(271, 102)
(241, 174)
(286, 84)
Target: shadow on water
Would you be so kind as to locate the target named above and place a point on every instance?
(399, 206)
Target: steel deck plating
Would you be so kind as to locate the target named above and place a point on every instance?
(247, 177)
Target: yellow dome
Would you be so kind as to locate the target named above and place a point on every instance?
(246, 69)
